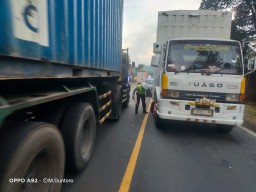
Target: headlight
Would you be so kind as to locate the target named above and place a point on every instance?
(232, 97)
(173, 93)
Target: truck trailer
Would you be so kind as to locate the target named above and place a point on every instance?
(200, 68)
(62, 74)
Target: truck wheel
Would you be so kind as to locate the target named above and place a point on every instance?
(126, 103)
(158, 122)
(116, 105)
(119, 107)
(54, 116)
(79, 129)
(30, 152)
(152, 107)
(224, 128)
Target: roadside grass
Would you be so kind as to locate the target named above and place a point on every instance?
(250, 115)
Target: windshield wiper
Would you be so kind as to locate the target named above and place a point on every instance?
(206, 73)
(211, 72)
(184, 71)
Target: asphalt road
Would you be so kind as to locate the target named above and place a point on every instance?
(176, 158)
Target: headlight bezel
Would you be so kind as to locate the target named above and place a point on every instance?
(232, 97)
(174, 93)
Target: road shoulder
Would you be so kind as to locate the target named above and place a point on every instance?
(250, 116)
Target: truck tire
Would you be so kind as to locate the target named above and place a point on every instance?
(152, 107)
(126, 103)
(54, 115)
(158, 122)
(31, 151)
(79, 130)
(116, 105)
(119, 107)
(224, 128)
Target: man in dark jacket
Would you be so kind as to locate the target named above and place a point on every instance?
(141, 92)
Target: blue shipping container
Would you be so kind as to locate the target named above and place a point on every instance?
(60, 38)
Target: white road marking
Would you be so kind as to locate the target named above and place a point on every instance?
(248, 130)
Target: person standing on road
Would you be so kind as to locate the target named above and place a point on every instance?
(141, 94)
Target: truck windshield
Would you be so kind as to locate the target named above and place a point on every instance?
(204, 56)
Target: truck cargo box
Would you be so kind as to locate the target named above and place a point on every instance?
(125, 65)
(193, 23)
(75, 38)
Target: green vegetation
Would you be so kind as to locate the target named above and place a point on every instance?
(250, 115)
(244, 18)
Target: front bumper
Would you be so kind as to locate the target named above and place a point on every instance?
(227, 113)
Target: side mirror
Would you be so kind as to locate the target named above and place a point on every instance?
(157, 48)
(251, 64)
(155, 60)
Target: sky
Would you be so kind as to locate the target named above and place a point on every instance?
(140, 23)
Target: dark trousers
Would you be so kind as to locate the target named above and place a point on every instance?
(142, 97)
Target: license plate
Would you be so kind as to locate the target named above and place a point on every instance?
(203, 112)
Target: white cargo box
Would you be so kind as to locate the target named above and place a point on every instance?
(193, 23)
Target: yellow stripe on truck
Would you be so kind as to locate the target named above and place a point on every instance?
(242, 90)
(243, 83)
(164, 81)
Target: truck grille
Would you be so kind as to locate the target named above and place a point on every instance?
(191, 95)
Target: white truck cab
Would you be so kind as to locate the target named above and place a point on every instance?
(202, 78)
